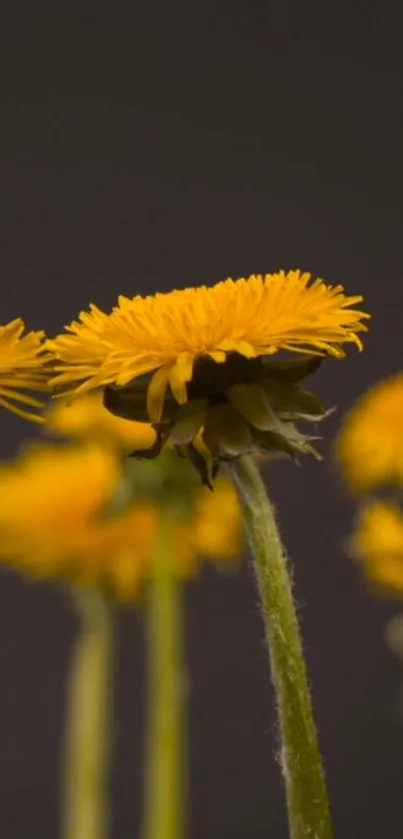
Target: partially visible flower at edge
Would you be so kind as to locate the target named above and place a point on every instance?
(57, 521)
(210, 345)
(21, 368)
(377, 544)
(369, 447)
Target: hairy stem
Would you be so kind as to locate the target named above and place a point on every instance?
(307, 802)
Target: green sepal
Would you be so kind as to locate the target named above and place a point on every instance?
(130, 402)
(204, 468)
(291, 402)
(252, 402)
(226, 434)
(127, 402)
(155, 450)
(211, 379)
(291, 445)
(270, 407)
(188, 421)
(291, 371)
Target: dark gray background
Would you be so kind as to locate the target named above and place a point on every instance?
(177, 145)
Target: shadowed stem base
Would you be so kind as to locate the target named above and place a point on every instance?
(165, 779)
(307, 802)
(88, 721)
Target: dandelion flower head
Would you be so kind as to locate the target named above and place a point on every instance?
(370, 445)
(253, 317)
(377, 543)
(21, 368)
(67, 513)
(195, 362)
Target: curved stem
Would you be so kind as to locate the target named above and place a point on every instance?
(308, 808)
(165, 781)
(88, 723)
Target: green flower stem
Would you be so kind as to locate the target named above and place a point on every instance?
(88, 724)
(165, 781)
(307, 802)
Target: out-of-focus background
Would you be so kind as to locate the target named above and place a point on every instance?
(181, 144)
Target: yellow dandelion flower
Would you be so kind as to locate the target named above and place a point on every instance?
(82, 347)
(370, 445)
(21, 369)
(86, 418)
(51, 492)
(59, 518)
(210, 347)
(377, 542)
(253, 317)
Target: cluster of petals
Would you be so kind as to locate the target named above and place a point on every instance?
(166, 334)
(21, 369)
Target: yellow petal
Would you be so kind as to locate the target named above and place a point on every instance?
(241, 347)
(156, 393)
(188, 422)
(180, 374)
(219, 356)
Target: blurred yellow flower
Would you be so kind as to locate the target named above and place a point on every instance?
(59, 519)
(214, 530)
(370, 445)
(377, 542)
(86, 418)
(21, 369)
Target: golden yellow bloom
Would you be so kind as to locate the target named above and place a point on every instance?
(210, 346)
(66, 512)
(168, 332)
(370, 444)
(86, 418)
(20, 369)
(49, 495)
(377, 542)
